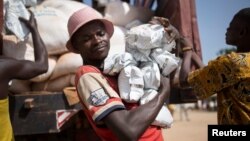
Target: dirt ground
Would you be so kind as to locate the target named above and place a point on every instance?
(193, 130)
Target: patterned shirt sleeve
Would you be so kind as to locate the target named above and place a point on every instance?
(221, 73)
(97, 95)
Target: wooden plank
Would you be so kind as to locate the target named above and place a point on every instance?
(42, 102)
(40, 113)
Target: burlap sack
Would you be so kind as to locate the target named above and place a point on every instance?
(66, 64)
(56, 85)
(46, 76)
(52, 26)
(72, 80)
(68, 7)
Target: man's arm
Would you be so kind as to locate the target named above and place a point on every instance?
(188, 56)
(187, 52)
(29, 69)
(24, 69)
(130, 125)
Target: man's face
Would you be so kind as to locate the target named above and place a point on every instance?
(92, 41)
(233, 32)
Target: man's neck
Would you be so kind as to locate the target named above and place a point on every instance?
(243, 49)
(98, 64)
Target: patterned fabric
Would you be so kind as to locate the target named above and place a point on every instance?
(99, 96)
(229, 77)
(5, 124)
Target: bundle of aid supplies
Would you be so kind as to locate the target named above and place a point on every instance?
(147, 56)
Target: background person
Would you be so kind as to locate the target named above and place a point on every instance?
(19, 69)
(228, 75)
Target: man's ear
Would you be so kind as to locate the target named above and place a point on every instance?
(244, 31)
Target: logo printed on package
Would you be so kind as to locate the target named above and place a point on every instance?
(98, 97)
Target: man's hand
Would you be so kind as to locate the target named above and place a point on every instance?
(160, 20)
(170, 29)
(31, 23)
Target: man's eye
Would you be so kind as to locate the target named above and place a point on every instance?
(84, 39)
(101, 33)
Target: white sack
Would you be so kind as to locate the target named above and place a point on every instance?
(14, 10)
(122, 13)
(167, 61)
(148, 96)
(164, 118)
(29, 2)
(151, 75)
(146, 36)
(115, 63)
(130, 84)
(142, 39)
(139, 55)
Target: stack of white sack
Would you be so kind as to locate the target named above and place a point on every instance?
(149, 42)
(52, 17)
(147, 57)
(63, 74)
(59, 70)
(52, 24)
